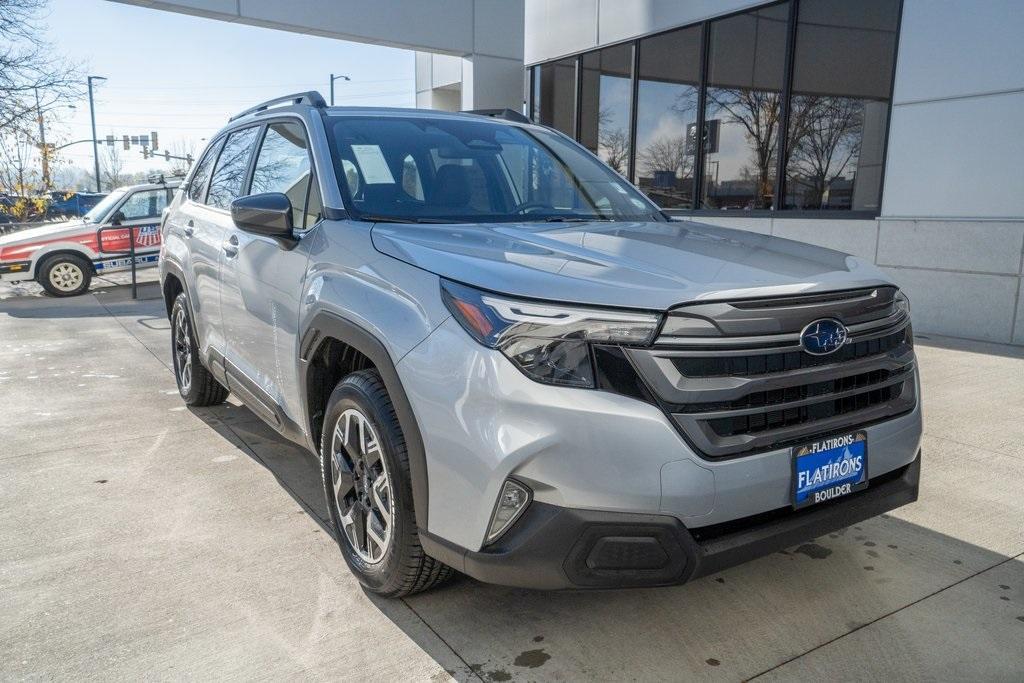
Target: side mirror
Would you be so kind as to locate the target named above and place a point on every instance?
(117, 218)
(268, 214)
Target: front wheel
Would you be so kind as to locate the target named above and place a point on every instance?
(369, 492)
(65, 275)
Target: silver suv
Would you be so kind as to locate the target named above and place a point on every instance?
(512, 364)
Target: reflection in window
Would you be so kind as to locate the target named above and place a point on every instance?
(838, 114)
(283, 166)
(746, 60)
(197, 185)
(229, 173)
(605, 95)
(147, 204)
(666, 116)
(557, 95)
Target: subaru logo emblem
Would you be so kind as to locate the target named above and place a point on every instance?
(823, 337)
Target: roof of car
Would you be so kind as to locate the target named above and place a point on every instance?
(169, 183)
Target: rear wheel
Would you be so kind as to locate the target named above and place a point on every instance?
(369, 492)
(195, 383)
(65, 274)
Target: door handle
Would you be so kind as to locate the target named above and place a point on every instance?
(189, 229)
(231, 246)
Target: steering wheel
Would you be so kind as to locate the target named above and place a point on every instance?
(525, 207)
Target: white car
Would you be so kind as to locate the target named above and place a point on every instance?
(63, 257)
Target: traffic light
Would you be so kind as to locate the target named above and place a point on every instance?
(125, 141)
(152, 138)
(110, 141)
(167, 155)
(145, 152)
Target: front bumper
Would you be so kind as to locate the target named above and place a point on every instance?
(553, 547)
(16, 270)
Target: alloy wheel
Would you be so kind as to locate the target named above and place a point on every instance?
(183, 350)
(362, 488)
(67, 277)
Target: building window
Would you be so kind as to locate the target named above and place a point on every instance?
(557, 91)
(839, 108)
(605, 98)
(727, 78)
(668, 88)
(746, 63)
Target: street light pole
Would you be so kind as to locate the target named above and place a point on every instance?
(335, 78)
(92, 117)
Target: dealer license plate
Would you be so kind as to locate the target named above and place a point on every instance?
(830, 468)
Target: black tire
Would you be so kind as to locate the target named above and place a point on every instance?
(65, 274)
(195, 383)
(403, 568)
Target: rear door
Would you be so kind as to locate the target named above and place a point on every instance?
(214, 219)
(192, 226)
(261, 280)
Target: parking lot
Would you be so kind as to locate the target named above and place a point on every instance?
(140, 539)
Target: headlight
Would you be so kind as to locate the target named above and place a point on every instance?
(902, 303)
(550, 343)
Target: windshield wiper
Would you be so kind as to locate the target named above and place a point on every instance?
(575, 219)
(397, 219)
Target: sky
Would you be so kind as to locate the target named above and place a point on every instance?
(184, 76)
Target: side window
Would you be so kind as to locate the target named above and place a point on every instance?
(283, 166)
(144, 204)
(232, 164)
(197, 186)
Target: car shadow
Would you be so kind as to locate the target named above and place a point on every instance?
(733, 625)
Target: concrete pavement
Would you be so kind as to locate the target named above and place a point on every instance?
(140, 539)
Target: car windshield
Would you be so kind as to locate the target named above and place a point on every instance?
(454, 170)
(98, 212)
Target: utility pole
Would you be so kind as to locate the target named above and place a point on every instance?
(92, 117)
(336, 78)
(44, 153)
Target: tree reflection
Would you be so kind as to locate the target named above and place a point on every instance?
(824, 142)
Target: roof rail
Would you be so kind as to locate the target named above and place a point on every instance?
(507, 114)
(311, 97)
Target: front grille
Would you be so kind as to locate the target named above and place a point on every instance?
(737, 394)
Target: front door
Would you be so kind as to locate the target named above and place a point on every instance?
(262, 280)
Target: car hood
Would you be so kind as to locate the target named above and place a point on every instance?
(42, 232)
(649, 265)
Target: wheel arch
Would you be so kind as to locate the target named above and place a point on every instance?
(359, 349)
(40, 259)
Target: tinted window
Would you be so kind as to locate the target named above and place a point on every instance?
(145, 204)
(283, 166)
(556, 91)
(746, 61)
(605, 96)
(197, 186)
(666, 116)
(461, 170)
(840, 105)
(232, 164)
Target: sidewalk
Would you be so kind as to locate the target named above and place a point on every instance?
(141, 539)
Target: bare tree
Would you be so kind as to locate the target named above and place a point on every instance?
(16, 175)
(667, 154)
(112, 167)
(28, 64)
(183, 148)
(829, 140)
(757, 111)
(614, 149)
